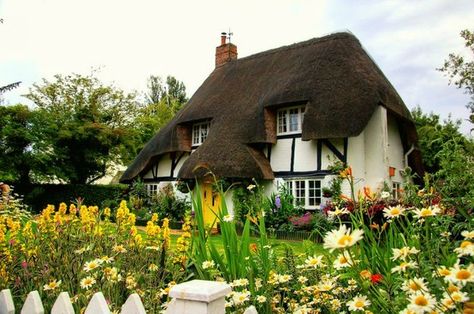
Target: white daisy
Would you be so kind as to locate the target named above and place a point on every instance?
(342, 238)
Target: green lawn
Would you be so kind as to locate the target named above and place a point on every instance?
(298, 247)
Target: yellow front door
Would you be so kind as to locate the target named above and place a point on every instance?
(210, 204)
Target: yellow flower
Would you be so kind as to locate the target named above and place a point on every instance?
(342, 238)
(358, 303)
(52, 285)
(107, 212)
(119, 248)
(87, 282)
(261, 299)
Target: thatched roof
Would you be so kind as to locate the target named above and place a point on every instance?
(333, 75)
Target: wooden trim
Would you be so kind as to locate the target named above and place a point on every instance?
(319, 155)
(288, 174)
(154, 170)
(335, 151)
(346, 144)
(175, 162)
(293, 145)
(159, 179)
(286, 136)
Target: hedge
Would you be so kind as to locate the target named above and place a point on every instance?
(38, 196)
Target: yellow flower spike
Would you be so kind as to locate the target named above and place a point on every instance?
(154, 218)
(72, 210)
(62, 209)
(107, 212)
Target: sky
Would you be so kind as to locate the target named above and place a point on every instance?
(127, 41)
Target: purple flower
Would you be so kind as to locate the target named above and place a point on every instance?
(278, 202)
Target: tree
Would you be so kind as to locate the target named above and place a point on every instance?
(448, 156)
(17, 158)
(432, 135)
(164, 100)
(82, 127)
(460, 71)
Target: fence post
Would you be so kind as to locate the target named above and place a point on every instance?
(6, 302)
(198, 297)
(33, 304)
(63, 304)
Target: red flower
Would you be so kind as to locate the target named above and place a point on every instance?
(376, 278)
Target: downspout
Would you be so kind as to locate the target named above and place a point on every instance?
(412, 148)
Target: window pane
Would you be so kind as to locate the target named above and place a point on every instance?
(314, 192)
(204, 131)
(294, 125)
(196, 134)
(282, 122)
(300, 192)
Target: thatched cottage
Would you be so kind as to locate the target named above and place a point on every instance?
(284, 116)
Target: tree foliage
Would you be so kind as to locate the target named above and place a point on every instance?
(164, 100)
(461, 71)
(83, 126)
(448, 156)
(16, 159)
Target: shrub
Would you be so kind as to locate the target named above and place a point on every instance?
(38, 196)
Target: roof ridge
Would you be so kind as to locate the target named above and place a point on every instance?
(312, 41)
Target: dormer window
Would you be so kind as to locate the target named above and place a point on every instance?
(200, 131)
(290, 120)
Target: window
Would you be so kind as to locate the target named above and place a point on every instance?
(307, 193)
(396, 188)
(200, 131)
(152, 189)
(290, 120)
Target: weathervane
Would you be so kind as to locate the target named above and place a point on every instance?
(229, 35)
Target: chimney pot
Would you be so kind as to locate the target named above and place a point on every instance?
(223, 38)
(226, 52)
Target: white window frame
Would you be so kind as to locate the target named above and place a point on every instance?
(300, 189)
(200, 132)
(283, 120)
(152, 188)
(396, 187)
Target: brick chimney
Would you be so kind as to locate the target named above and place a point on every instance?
(225, 52)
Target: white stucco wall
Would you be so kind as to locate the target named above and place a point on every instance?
(164, 166)
(306, 155)
(356, 159)
(376, 149)
(280, 159)
(395, 149)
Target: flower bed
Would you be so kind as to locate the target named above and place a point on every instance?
(406, 258)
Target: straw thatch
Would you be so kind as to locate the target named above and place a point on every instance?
(333, 76)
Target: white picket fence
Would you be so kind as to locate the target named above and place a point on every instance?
(192, 297)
